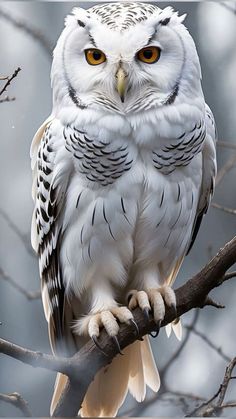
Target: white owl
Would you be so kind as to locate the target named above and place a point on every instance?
(123, 172)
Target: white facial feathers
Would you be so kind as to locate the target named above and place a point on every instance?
(120, 31)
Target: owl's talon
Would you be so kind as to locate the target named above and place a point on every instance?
(133, 322)
(95, 341)
(116, 342)
(153, 302)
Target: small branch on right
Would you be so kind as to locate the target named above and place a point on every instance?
(8, 80)
(17, 400)
(215, 404)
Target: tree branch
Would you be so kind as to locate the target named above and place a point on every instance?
(222, 208)
(30, 295)
(30, 30)
(8, 80)
(82, 367)
(211, 408)
(17, 400)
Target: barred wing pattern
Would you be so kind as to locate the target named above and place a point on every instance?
(51, 174)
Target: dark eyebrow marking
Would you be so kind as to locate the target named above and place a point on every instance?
(92, 41)
(151, 38)
(80, 23)
(165, 21)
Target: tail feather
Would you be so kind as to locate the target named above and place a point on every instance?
(151, 375)
(132, 371)
(60, 383)
(137, 385)
(108, 390)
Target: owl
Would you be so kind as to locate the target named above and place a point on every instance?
(123, 172)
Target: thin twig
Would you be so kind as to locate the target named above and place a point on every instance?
(23, 237)
(30, 295)
(225, 209)
(7, 99)
(209, 408)
(209, 343)
(226, 144)
(17, 400)
(228, 7)
(169, 363)
(29, 29)
(231, 162)
(8, 80)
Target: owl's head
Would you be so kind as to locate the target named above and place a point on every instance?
(125, 58)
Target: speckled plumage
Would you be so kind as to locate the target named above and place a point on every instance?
(120, 186)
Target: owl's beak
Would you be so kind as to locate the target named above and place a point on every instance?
(121, 82)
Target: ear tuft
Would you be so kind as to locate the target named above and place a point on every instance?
(80, 23)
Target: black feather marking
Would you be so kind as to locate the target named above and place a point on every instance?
(165, 21)
(78, 199)
(177, 219)
(44, 215)
(111, 231)
(93, 216)
(178, 197)
(170, 100)
(104, 213)
(89, 251)
(162, 197)
(80, 23)
(167, 239)
(162, 218)
(122, 204)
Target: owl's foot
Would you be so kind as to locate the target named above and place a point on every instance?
(110, 320)
(153, 300)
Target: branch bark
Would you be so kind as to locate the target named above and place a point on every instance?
(83, 366)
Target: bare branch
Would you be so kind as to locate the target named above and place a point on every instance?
(231, 162)
(209, 408)
(82, 367)
(35, 359)
(7, 99)
(30, 30)
(30, 295)
(8, 80)
(166, 367)
(229, 6)
(226, 144)
(209, 342)
(17, 400)
(225, 209)
(23, 237)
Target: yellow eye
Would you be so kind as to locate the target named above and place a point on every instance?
(95, 56)
(149, 55)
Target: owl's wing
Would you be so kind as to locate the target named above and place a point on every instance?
(208, 173)
(50, 179)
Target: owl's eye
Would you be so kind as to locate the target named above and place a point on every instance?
(149, 55)
(95, 56)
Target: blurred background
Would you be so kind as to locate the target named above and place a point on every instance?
(199, 369)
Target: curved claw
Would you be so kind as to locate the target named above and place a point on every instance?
(133, 322)
(146, 312)
(156, 333)
(116, 342)
(95, 341)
